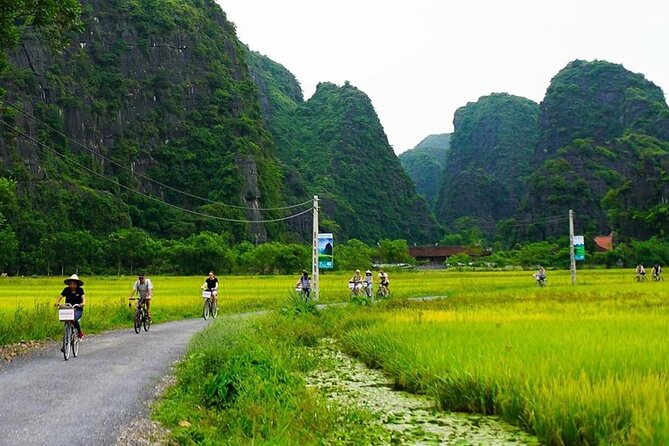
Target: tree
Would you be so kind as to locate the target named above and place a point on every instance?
(54, 19)
(394, 251)
(9, 246)
(353, 255)
(202, 253)
(132, 248)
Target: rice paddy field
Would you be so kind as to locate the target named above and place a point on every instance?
(584, 364)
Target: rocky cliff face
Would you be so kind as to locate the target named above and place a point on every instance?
(603, 144)
(489, 159)
(334, 146)
(162, 89)
(425, 165)
(600, 101)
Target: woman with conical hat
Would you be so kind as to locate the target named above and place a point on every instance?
(74, 295)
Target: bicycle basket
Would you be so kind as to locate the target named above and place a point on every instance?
(351, 285)
(206, 294)
(298, 289)
(66, 314)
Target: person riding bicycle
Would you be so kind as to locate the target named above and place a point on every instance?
(357, 282)
(368, 282)
(640, 271)
(211, 284)
(304, 283)
(383, 279)
(144, 289)
(74, 295)
(656, 272)
(540, 275)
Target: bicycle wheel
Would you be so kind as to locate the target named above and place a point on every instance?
(138, 320)
(67, 345)
(214, 309)
(74, 339)
(205, 309)
(145, 319)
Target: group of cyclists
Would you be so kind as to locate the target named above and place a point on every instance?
(640, 271)
(75, 296)
(358, 284)
(364, 285)
(656, 273)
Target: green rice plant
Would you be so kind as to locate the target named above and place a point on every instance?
(573, 369)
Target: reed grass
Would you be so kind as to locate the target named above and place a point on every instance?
(574, 365)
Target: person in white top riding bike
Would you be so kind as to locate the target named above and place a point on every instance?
(640, 272)
(357, 282)
(384, 283)
(144, 289)
(540, 276)
(367, 282)
(304, 283)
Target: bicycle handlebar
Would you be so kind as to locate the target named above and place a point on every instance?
(63, 306)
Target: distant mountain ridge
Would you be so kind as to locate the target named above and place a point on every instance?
(334, 146)
(425, 165)
(598, 144)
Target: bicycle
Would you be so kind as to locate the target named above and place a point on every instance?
(355, 287)
(369, 290)
(383, 291)
(303, 293)
(658, 278)
(209, 306)
(640, 278)
(70, 334)
(141, 315)
(541, 281)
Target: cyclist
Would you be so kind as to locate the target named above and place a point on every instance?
(368, 283)
(540, 275)
(304, 283)
(74, 295)
(357, 282)
(211, 284)
(640, 272)
(656, 272)
(144, 289)
(383, 281)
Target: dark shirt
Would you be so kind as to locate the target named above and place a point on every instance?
(211, 283)
(73, 297)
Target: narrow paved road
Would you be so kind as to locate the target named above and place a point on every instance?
(45, 400)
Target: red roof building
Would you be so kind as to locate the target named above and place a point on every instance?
(604, 242)
(439, 254)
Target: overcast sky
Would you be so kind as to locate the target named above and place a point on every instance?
(420, 60)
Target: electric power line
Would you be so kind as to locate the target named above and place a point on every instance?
(166, 186)
(200, 214)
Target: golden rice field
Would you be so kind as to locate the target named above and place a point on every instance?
(574, 365)
(585, 364)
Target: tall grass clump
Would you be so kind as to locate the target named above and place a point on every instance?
(241, 383)
(587, 370)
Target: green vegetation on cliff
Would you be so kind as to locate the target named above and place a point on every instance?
(489, 160)
(152, 89)
(603, 152)
(334, 146)
(425, 165)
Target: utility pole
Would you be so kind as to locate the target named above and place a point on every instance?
(572, 257)
(314, 256)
